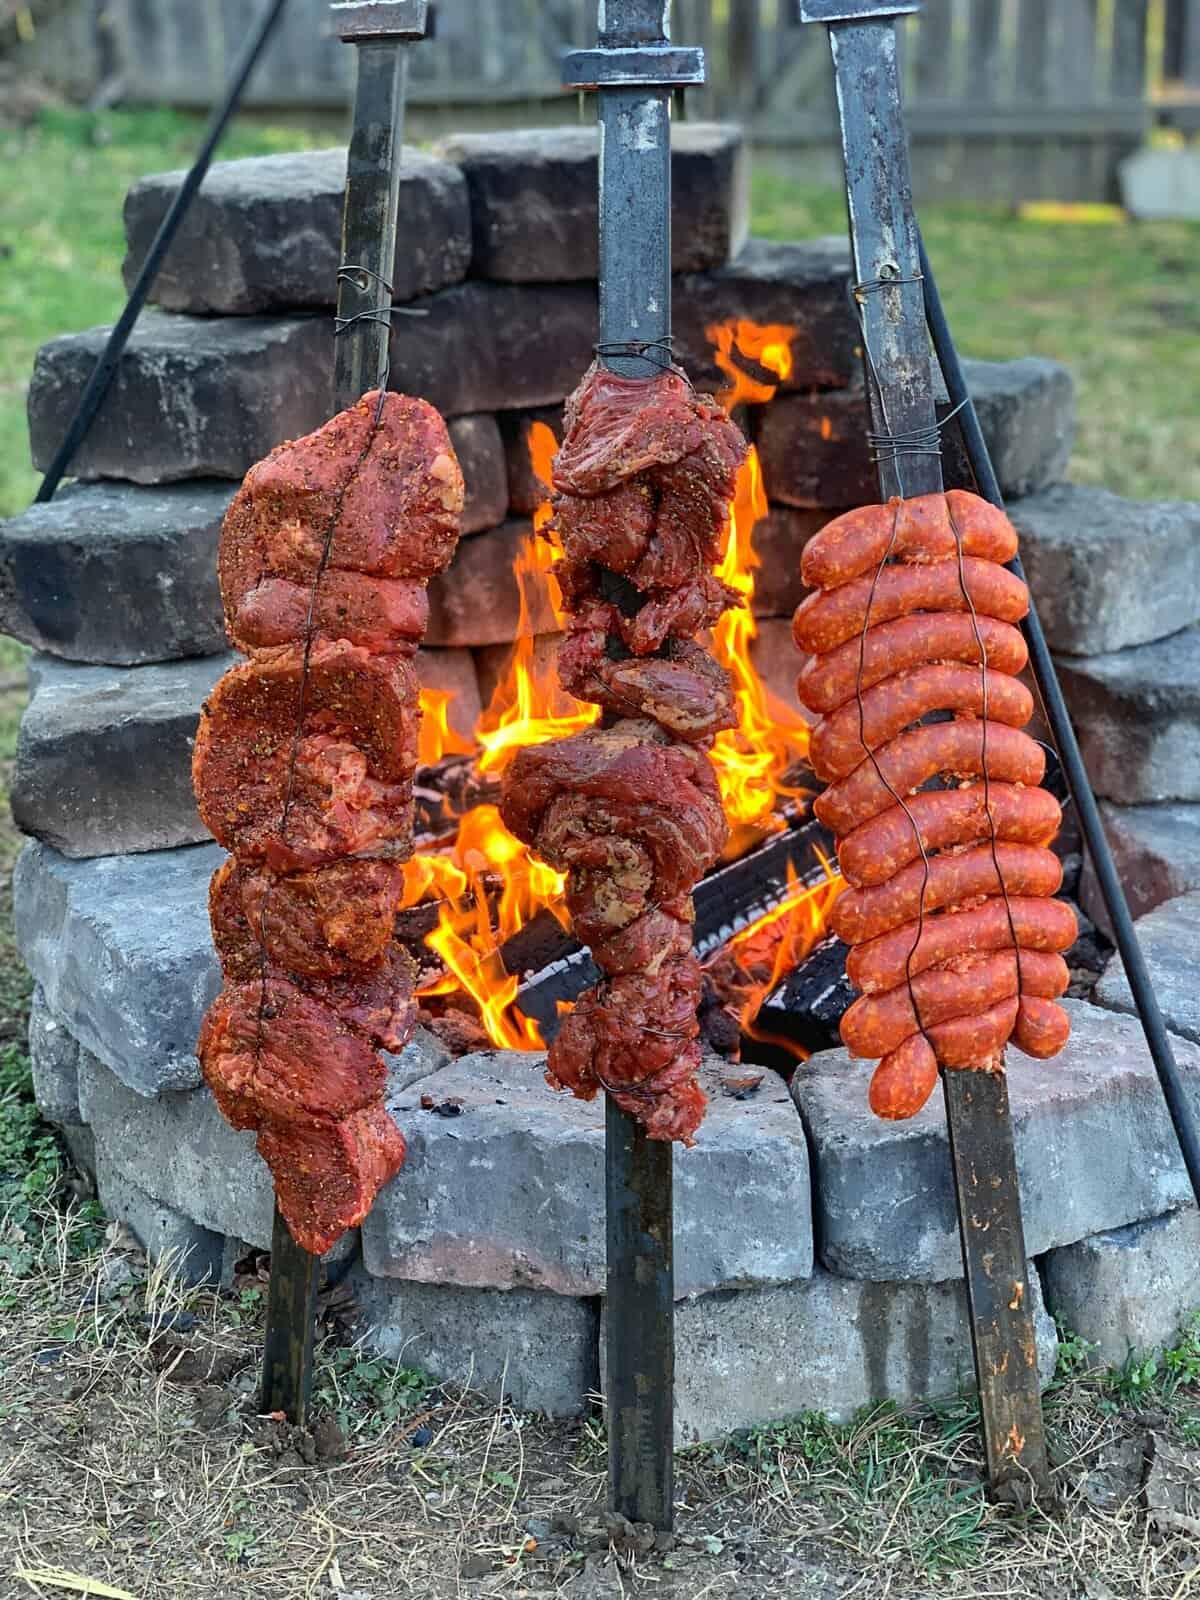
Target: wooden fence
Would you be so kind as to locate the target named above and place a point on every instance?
(1006, 98)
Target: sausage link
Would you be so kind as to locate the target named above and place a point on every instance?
(1042, 1027)
(877, 849)
(831, 616)
(904, 1080)
(976, 1042)
(884, 962)
(828, 681)
(843, 739)
(924, 753)
(861, 914)
(877, 1023)
(859, 540)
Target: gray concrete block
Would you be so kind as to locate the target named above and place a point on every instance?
(480, 451)
(477, 600)
(194, 1252)
(535, 199)
(1170, 941)
(113, 574)
(800, 285)
(779, 538)
(121, 946)
(1095, 1150)
(54, 1060)
(1137, 714)
(537, 1350)
(508, 1192)
(1088, 554)
(830, 1345)
(485, 346)
(814, 450)
(104, 755)
(81, 1143)
(1027, 412)
(264, 233)
(192, 398)
(1157, 855)
(1131, 1289)
(180, 1149)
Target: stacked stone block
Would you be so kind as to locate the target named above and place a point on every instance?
(817, 1261)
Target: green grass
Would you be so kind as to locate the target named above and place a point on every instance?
(1119, 303)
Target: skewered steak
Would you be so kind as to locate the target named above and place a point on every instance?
(954, 936)
(630, 810)
(303, 769)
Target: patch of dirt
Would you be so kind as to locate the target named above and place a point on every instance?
(131, 1452)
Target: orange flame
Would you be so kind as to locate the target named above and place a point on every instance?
(769, 344)
(437, 738)
(751, 759)
(488, 884)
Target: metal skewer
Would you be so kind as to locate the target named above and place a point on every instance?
(1042, 665)
(379, 30)
(635, 70)
(886, 251)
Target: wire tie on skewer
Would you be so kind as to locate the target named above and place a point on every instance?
(658, 351)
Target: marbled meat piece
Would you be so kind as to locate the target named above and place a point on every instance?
(300, 766)
(384, 501)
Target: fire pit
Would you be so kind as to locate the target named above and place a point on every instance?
(485, 1260)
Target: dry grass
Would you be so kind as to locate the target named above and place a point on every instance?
(132, 1455)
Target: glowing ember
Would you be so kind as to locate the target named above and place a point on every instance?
(756, 960)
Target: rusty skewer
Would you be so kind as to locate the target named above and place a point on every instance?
(886, 252)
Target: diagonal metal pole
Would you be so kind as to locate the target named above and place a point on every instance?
(380, 30)
(634, 70)
(1157, 1038)
(886, 250)
(105, 370)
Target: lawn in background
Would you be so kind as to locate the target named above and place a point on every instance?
(1119, 303)
(63, 181)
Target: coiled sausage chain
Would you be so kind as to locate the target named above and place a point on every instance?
(956, 939)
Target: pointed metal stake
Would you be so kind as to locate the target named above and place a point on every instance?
(380, 31)
(635, 70)
(886, 247)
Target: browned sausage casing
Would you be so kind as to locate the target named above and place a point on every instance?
(924, 753)
(918, 530)
(828, 681)
(950, 880)
(831, 616)
(841, 740)
(878, 848)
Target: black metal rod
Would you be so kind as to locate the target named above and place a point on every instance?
(287, 1369)
(1059, 719)
(639, 1321)
(105, 369)
(635, 306)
